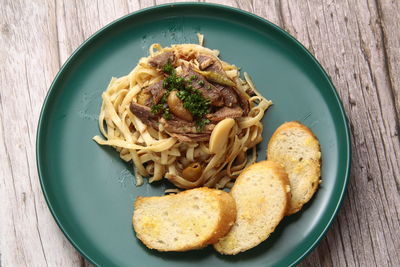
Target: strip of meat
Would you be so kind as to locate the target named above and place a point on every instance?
(183, 130)
(205, 61)
(191, 138)
(225, 112)
(156, 90)
(228, 94)
(176, 125)
(210, 63)
(160, 60)
(207, 89)
(186, 131)
(144, 114)
(243, 100)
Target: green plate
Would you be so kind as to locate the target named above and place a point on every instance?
(90, 190)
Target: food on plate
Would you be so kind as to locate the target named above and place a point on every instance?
(188, 220)
(261, 193)
(183, 114)
(298, 150)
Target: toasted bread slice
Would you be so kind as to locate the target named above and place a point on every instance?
(188, 220)
(262, 196)
(295, 147)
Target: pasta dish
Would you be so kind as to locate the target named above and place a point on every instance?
(185, 115)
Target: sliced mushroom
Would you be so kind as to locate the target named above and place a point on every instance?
(176, 107)
(220, 134)
(192, 172)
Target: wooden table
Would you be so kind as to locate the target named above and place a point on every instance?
(357, 42)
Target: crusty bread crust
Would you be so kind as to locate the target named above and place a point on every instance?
(280, 170)
(227, 218)
(247, 218)
(225, 211)
(315, 162)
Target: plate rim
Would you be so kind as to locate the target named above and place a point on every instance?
(224, 8)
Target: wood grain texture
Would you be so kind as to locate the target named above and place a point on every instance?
(357, 42)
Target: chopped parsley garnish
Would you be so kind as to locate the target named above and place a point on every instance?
(192, 99)
(168, 68)
(167, 114)
(157, 109)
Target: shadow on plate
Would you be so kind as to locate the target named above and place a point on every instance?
(193, 255)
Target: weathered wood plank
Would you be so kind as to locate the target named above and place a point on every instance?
(389, 23)
(29, 62)
(356, 41)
